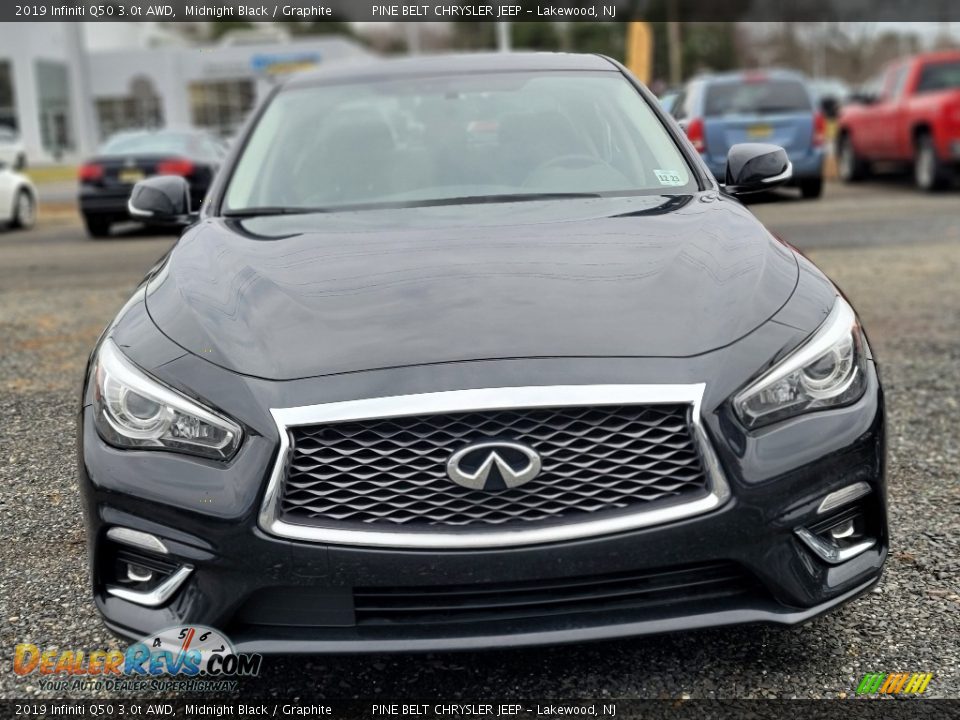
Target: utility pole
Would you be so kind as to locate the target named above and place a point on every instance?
(503, 36)
(820, 50)
(676, 52)
(413, 37)
(85, 133)
(640, 50)
(674, 44)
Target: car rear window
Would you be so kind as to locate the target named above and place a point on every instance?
(939, 76)
(152, 143)
(756, 97)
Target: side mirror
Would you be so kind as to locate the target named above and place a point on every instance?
(161, 200)
(755, 167)
(3, 165)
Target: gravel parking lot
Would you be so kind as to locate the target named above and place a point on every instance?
(896, 254)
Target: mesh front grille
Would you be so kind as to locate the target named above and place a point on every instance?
(391, 473)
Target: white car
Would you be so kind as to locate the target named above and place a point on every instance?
(12, 152)
(18, 199)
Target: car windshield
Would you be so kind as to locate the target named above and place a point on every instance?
(756, 97)
(152, 143)
(446, 140)
(939, 76)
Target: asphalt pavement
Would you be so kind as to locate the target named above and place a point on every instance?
(895, 253)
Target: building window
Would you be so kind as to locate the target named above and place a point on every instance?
(222, 105)
(53, 93)
(8, 96)
(142, 108)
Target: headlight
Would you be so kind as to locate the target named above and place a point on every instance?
(827, 371)
(133, 410)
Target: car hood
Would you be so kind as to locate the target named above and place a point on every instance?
(295, 296)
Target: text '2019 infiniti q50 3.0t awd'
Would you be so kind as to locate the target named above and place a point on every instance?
(473, 351)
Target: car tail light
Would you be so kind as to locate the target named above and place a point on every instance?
(696, 136)
(819, 129)
(176, 166)
(91, 172)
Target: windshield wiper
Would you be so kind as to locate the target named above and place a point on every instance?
(401, 204)
(270, 210)
(509, 197)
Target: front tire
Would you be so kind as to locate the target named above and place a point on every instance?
(811, 188)
(98, 226)
(929, 174)
(850, 166)
(24, 211)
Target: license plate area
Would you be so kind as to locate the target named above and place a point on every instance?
(131, 176)
(757, 132)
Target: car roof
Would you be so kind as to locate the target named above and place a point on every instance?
(931, 57)
(746, 75)
(452, 64)
(171, 130)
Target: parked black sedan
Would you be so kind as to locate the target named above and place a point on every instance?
(468, 352)
(128, 157)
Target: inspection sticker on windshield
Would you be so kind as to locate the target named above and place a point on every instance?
(669, 177)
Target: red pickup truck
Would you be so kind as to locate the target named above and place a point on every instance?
(908, 115)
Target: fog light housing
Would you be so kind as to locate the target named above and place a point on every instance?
(839, 538)
(844, 530)
(139, 571)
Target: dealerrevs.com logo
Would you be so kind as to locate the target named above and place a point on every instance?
(894, 683)
(175, 655)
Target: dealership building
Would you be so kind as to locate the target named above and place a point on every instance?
(66, 86)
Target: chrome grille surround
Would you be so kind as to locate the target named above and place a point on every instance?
(273, 522)
(394, 473)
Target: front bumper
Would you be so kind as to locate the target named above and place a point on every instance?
(104, 201)
(270, 594)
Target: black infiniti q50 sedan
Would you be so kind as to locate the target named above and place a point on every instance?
(473, 351)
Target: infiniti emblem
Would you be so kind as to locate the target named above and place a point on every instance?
(493, 465)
